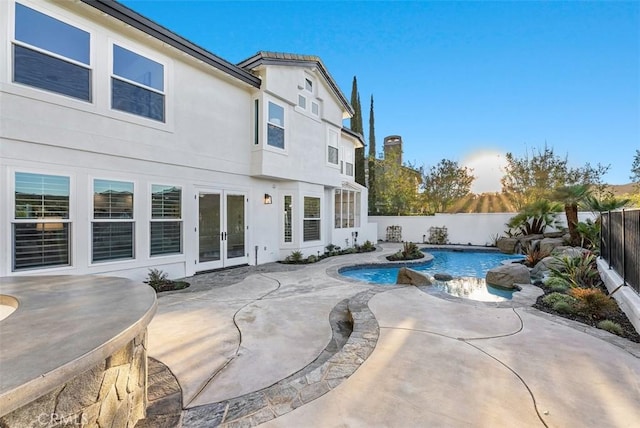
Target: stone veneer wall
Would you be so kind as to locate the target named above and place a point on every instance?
(111, 394)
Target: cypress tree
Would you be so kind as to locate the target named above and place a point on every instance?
(372, 161)
(356, 126)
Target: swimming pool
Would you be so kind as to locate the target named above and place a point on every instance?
(468, 268)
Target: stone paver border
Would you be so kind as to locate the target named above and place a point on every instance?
(300, 388)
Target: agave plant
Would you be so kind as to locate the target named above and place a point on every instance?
(535, 218)
(577, 272)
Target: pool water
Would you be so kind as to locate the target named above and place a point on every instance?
(468, 268)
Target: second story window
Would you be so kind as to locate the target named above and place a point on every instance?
(137, 85)
(332, 148)
(275, 126)
(50, 54)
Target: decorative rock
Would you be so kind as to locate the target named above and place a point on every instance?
(507, 245)
(553, 234)
(508, 275)
(412, 277)
(569, 252)
(80, 392)
(442, 277)
(531, 241)
(544, 266)
(547, 245)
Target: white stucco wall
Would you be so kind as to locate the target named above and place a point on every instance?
(205, 145)
(474, 229)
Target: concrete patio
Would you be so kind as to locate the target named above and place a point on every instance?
(237, 341)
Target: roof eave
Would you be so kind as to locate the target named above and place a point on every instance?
(259, 59)
(359, 138)
(135, 20)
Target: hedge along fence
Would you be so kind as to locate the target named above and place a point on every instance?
(464, 229)
(620, 244)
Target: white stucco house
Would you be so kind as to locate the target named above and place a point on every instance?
(124, 146)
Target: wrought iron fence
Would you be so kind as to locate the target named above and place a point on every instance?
(620, 244)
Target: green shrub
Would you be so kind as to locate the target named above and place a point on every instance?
(312, 259)
(410, 251)
(157, 279)
(367, 246)
(553, 298)
(557, 284)
(331, 249)
(296, 257)
(564, 307)
(611, 327)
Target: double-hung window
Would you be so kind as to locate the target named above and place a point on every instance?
(332, 147)
(275, 126)
(112, 229)
(50, 54)
(311, 222)
(137, 84)
(166, 220)
(41, 224)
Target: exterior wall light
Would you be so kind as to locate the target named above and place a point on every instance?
(268, 200)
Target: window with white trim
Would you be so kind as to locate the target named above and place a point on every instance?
(288, 218)
(308, 85)
(347, 157)
(346, 208)
(311, 222)
(137, 84)
(166, 220)
(50, 54)
(41, 226)
(275, 125)
(302, 102)
(332, 147)
(315, 108)
(349, 169)
(112, 228)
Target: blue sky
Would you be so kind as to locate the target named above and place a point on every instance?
(466, 81)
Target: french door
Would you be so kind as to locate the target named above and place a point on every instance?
(222, 229)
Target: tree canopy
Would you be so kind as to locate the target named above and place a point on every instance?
(537, 176)
(396, 187)
(445, 183)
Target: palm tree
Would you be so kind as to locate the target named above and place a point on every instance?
(598, 206)
(571, 197)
